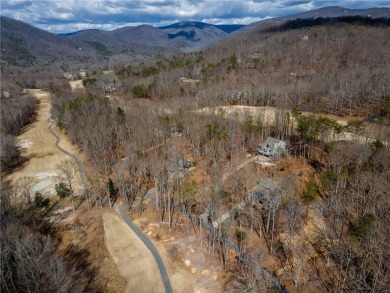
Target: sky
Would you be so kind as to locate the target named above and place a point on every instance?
(59, 16)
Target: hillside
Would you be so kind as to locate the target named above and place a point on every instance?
(335, 66)
(23, 44)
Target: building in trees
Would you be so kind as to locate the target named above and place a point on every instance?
(82, 73)
(110, 88)
(272, 147)
(268, 193)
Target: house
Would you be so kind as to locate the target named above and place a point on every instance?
(189, 80)
(109, 88)
(250, 65)
(69, 76)
(178, 167)
(268, 193)
(255, 56)
(272, 147)
(303, 37)
(5, 94)
(83, 73)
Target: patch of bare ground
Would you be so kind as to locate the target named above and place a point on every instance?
(265, 113)
(76, 84)
(268, 115)
(190, 268)
(134, 261)
(84, 231)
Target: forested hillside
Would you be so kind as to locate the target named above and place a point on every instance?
(337, 67)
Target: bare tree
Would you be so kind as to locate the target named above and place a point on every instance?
(68, 170)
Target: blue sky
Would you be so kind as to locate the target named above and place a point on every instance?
(71, 15)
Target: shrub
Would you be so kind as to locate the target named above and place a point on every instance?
(173, 252)
(377, 145)
(62, 190)
(89, 82)
(363, 226)
(329, 177)
(240, 236)
(140, 91)
(112, 190)
(312, 191)
(40, 201)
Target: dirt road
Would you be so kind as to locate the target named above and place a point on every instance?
(134, 261)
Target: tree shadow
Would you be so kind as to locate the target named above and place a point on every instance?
(78, 258)
(17, 165)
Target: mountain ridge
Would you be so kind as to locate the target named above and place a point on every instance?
(23, 44)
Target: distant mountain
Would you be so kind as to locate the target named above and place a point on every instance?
(71, 33)
(186, 24)
(337, 11)
(181, 36)
(227, 28)
(331, 11)
(23, 44)
(194, 34)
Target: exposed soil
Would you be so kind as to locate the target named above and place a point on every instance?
(266, 114)
(193, 270)
(134, 261)
(76, 84)
(84, 229)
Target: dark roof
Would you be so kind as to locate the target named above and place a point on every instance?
(270, 141)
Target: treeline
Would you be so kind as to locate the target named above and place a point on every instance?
(17, 111)
(300, 23)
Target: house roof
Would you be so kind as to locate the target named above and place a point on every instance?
(270, 141)
(269, 193)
